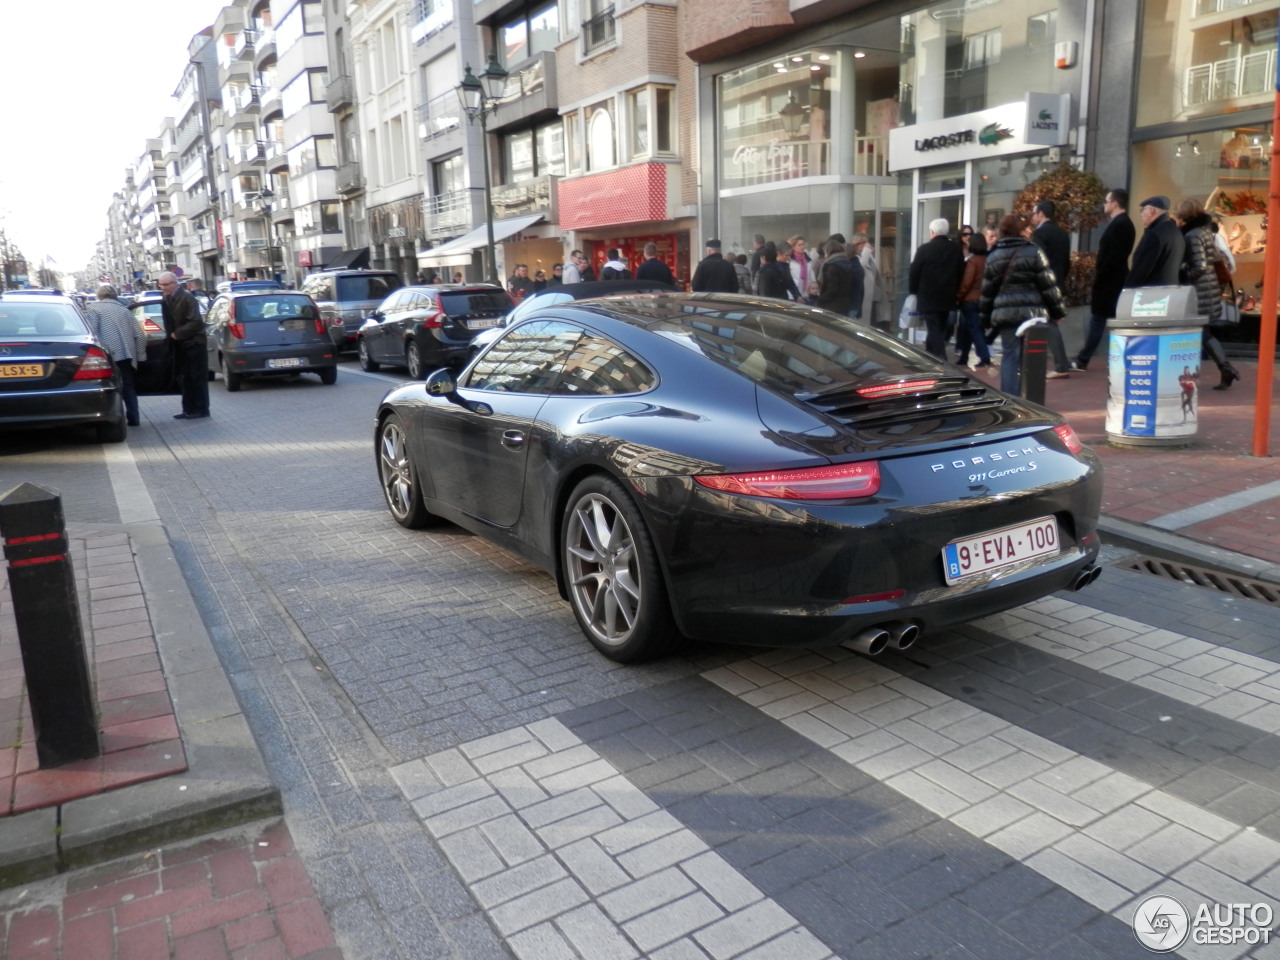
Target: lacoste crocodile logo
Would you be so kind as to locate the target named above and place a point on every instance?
(993, 133)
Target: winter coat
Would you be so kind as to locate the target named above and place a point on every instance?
(1018, 284)
(793, 265)
(935, 274)
(1159, 255)
(655, 269)
(1112, 265)
(1197, 267)
(874, 304)
(774, 280)
(971, 282)
(715, 274)
(1056, 244)
(840, 284)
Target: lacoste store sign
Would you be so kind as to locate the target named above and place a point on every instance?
(1041, 119)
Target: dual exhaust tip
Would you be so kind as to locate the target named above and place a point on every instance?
(902, 635)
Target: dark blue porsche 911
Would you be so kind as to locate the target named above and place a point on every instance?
(744, 470)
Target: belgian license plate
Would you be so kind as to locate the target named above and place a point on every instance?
(482, 324)
(284, 362)
(989, 551)
(21, 371)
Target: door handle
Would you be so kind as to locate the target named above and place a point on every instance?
(513, 439)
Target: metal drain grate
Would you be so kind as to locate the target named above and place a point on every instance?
(1230, 583)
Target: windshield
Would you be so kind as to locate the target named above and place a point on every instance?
(367, 288)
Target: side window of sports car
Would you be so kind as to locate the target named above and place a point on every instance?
(599, 367)
(527, 359)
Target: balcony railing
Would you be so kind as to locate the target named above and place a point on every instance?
(339, 93)
(427, 17)
(438, 115)
(447, 214)
(1247, 76)
(1206, 7)
(245, 40)
(348, 178)
(520, 199)
(599, 31)
(247, 152)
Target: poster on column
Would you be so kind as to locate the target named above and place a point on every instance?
(1154, 384)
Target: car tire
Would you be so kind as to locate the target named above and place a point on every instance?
(398, 477)
(113, 431)
(329, 376)
(231, 380)
(362, 353)
(413, 360)
(612, 574)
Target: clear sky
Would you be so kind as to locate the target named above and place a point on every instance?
(86, 83)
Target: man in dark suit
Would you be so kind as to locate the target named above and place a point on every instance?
(1112, 267)
(653, 268)
(1159, 253)
(935, 275)
(715, 274)
(1056, 244)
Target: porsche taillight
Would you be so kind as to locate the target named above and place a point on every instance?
(843, 481)
(95, 365)
(1069, 437)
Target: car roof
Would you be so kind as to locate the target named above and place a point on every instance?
(449, 287)
(353, 272)
(261, 292)
(33, 296)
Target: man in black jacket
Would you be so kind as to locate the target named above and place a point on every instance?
(1112, 267)
(653, 268)
(185, 329)
(715, 274)
(1056, 244)
(935, 276)
(1159, 253)
(840, 281)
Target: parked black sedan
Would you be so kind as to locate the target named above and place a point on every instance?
(53, 372)
(424, 327)
(726, 467)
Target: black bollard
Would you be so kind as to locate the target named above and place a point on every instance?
(1035, 361)
(48, 620)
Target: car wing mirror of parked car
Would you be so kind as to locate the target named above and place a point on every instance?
(442, 383)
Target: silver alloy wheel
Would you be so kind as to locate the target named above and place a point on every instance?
(415, 362)
(395, 470)
(603, 570)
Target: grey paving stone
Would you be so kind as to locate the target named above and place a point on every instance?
(674, 920)
(594, 935)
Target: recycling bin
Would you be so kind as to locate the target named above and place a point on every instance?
(1153, 367)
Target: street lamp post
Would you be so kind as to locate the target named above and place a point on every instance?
(480, 98)
(265, 197)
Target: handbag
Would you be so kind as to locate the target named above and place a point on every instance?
(909, 317)
(1223, 272)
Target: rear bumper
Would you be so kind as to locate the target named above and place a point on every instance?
(56, 408)
(258, 360)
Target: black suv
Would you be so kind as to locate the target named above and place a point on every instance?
(423, 328)
(346, 297)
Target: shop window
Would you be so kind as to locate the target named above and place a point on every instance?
(1208, 65)
(601, 148)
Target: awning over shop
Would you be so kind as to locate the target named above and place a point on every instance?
(458, 252)
(351, 260)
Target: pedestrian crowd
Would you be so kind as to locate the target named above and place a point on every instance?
(992, 286)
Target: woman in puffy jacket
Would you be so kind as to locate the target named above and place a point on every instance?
(1017, 286)
(1197, 270)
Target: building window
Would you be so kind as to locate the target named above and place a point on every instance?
(649, 119)
(549, 148)
(307, 87)
(1042, 29)
(517, 156)
(304, 18)
(532, 31)
(536, 152)
(600, 28)
(982, 49)
(326, 152)
(601, 149)
(572, 142)
(329, 222)
(448, 175)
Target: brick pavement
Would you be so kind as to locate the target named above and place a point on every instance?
(236, 895)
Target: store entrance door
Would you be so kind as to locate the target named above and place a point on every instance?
(941, 192)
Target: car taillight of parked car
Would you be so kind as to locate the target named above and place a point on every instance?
(1070, 438)
(236, 329)
(435, 321)
(96, 365)
(321, 327)
(844, 481)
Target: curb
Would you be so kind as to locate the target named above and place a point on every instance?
(226, 782)
(1172, 546)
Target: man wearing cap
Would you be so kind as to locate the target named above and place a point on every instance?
(715, 274)
(1159, 253)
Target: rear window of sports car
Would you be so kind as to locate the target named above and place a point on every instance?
(794, 350)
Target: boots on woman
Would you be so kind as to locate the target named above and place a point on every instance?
(1219, 356)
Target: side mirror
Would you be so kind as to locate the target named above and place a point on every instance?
(441, 383)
